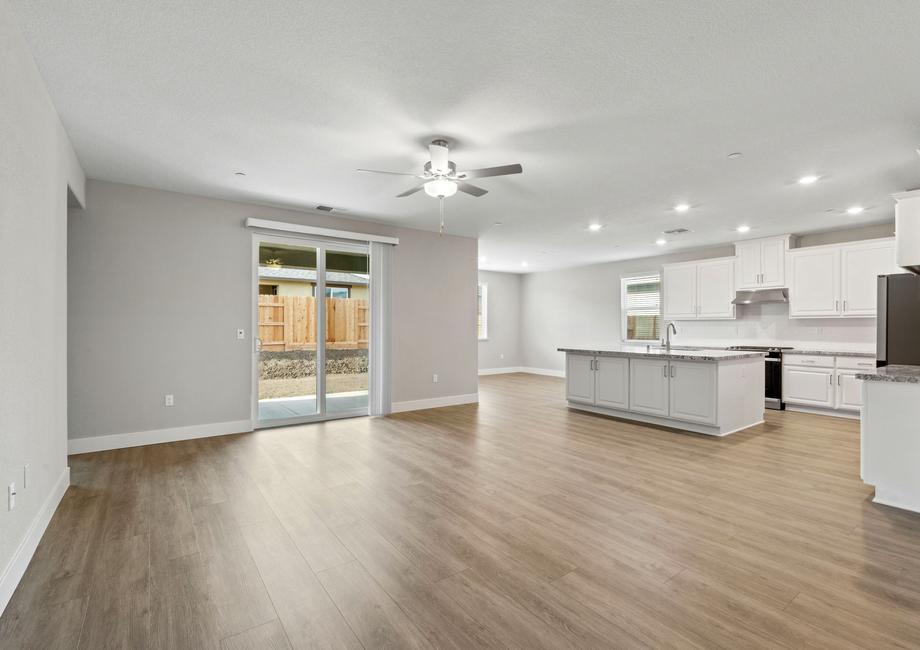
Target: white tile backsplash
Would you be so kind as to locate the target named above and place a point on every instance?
(769, 324)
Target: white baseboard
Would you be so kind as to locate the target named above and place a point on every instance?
(834, 413)
(140, 438)
(17, 565)
(434, 402)
(525, 369)
(543, 371)
(500, 371)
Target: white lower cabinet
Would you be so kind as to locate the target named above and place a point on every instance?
(849, 390)
(808, 386)
(611, 381)
(694, 391)
(579, 378)
(824, 381)
(648, 387)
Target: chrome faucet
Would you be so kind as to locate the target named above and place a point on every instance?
(667, 335)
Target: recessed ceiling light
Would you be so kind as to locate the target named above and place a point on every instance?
(239, 173)
(807, 180)
(743, 228)
(681, 207)
(497, 223)
(523, 263)
(735, 155)
(661, 242)
(855, 209)
(594, 227)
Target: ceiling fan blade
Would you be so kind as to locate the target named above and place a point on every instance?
(438, 151)
(377, 171)
(502, 170)
(469, 188)
(411, 191)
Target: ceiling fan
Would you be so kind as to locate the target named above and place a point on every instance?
(441, 178)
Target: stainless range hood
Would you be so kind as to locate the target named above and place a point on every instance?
(760, 296)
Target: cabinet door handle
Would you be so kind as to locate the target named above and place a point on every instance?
(830, 379)
(836, 305)
(664, 369)
(672, 371)
(597, 364)
(844, 305)
(838, 380)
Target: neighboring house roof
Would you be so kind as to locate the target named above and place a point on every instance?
(309, 275)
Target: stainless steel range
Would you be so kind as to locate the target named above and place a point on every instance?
(773, 373)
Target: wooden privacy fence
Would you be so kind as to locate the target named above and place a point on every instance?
(289, 323)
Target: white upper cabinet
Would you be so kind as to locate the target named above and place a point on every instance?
(761, 263)
(838, 281)
(773, 262)
(679, 287)
(699, 290)
(861, 264)
(814, 283)
(715, 289)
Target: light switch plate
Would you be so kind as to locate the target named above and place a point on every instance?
(169, 400)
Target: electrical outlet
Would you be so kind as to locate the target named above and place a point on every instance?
(25, 476)
(240, 334)
(12, 502)
(501, 356)
(434, 379)
(169, 400)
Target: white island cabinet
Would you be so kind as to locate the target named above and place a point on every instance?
(889, 436)
(715, 392)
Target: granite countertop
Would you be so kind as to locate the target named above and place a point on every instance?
(831, 353)
(699, 354)
(900, 374)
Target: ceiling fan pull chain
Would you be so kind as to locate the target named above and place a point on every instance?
(441, 202)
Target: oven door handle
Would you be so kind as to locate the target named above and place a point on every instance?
(772, 360)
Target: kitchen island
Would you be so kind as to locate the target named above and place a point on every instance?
(890, 435)
(716, 392)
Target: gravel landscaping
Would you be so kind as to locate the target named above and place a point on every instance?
(292, 374)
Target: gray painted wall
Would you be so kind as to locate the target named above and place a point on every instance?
(581, 306)
(37, 164)
(504, 320)
(159, 282)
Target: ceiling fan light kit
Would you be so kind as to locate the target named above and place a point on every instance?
(440, 188)
(441, 178)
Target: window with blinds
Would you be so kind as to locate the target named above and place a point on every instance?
(641, 308)
(482, 311)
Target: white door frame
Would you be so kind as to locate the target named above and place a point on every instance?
(321, 246)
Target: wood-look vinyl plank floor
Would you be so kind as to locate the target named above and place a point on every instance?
(512, 523)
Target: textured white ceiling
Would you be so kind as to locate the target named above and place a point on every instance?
(617, 110)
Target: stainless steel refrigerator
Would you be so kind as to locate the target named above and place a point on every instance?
(898, 320)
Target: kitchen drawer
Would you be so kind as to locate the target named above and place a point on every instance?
(810, 360)
(855, 363)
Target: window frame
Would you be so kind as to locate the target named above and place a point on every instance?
(482, 311)
(625, 281)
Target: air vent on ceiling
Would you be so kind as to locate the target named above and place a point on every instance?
(676, 231)
(325, 208)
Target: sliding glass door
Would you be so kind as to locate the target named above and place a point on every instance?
(312, 318)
